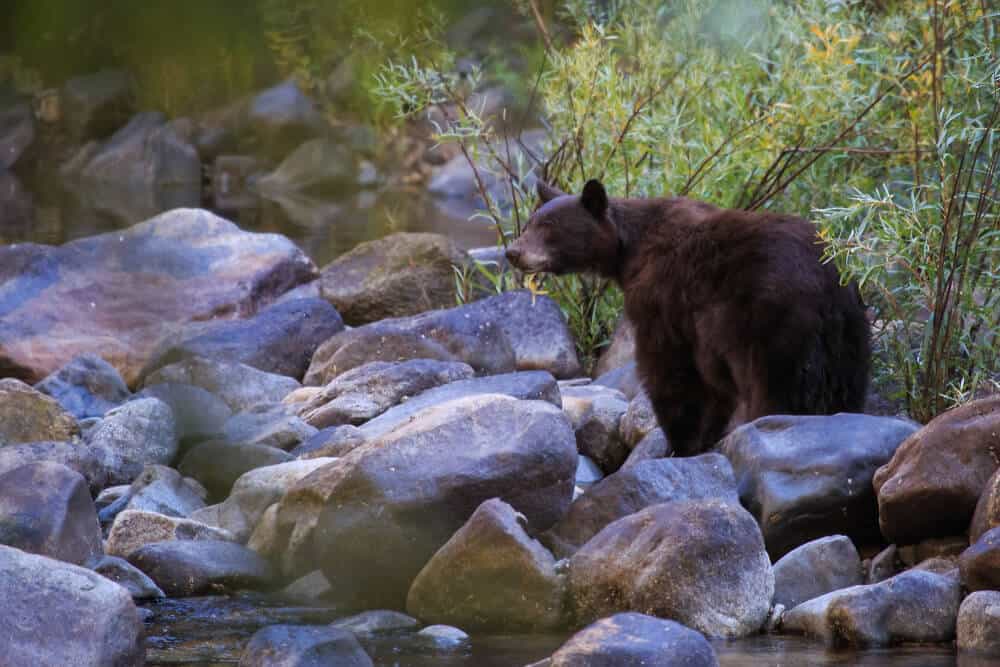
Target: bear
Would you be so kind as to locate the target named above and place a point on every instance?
(735, 313)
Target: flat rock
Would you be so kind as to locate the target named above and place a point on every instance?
(932, 484)
(913, 606)
(303, 646)
(816, 568)
(45, 508)
(699, 562)
(979, 623)
(490, 576)
(218, 464)
(241, 387)
(596, 413)
(123, 573)
(116, 295)
(629, 639)
(980, 563)
(376, 621)
(137, 434)
(805, 477)
(55, 613)
(199, 567)
(134, 529)
(28, 415)
(87, 386)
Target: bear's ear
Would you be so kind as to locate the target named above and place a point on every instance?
(595, 199)
(547, 192)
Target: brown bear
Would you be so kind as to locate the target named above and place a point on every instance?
(735, 314)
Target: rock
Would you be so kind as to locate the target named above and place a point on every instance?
(980, 563)
(45, 508)
(134, 529)
(699, 562)
(123, 573)
(281, 118)
(17, 208)
(280, 339)
(141, 284)
(137, 434)
(27, 415)
(978, 626)
(158, 489)
(188, 567)
(373, 519)
(932, 484)
(653, 446)
(596, 413)
(490, 576)
(805, 477)
(241, 387)
(55, 613)
(630, 490)
(74, 455)
(457, 179)
(310, 589)
(303, 646)
(253, 493)
(620, 352)
(638, 421)
(938, 547)
(443, 637)
(87, 386)
(399, 275)
(987, 513)
(367, 391)
(911, 607)
(198, 414)
(268, 425)
(587, 472)
(217, 465)
(376, 621)
(816, 568)
(884, 565)
(635, 640)
(17, 131)
(527, 385)
(95, 105)
(624, 378)
(318, 164)
(331, 441)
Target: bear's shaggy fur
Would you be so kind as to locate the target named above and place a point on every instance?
(735, 315)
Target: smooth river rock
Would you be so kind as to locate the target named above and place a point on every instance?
(201, 567)
(816, 568)
(303, 646)
(979, 624)
(87, 386)
(980, 563)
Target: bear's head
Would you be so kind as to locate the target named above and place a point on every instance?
(567, 233)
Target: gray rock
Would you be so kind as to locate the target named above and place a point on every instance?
(95, 105)
(198, 414)
(217, 465)
(457, 179)
(699, 562)
(27, 415)
(805, 477)
(638, 421)
(490, 576)
(443, 637)
(303, 646)
(373, 519)
(241, 387)
(74, 455)
(620, 352)
(198, 567)
(134, 529)
(45, 508)
(87, 386)
(654, 446)
(55, 613)
(624, 378)
(158, 489)
(17, 131)
(630, 490)
(123, 573)
(134, 435)
(367, 391)
(310, 589)
(316, 164)
(635, 640)
(376, 621)
(911, 607)
(17, 205)
(596, 412)
(980, 563)
(332, 441)
(269, 426)
(978, 627)
(587, 472)
(816, 568)
(281, 118)
(396, 276)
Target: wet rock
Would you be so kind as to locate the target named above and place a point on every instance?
(932, 484)
(399, 275)
(987, 514)
(620, 352)
(367, 391)
(654, 446)
(55, 613)
(268, 425)
(638, 421)
(199, 567)
(87, 386)
(699, 562)
(628, 491)
(443, 637)
(634, 640)
(137, 434)
(596, 413)
(17, 131)
(123, 573)
(95, 105)
(979, 623)
(74, 455)
(805, 477)
(140, 284)
(490, 576)
(281, 118)
(373, 519)
(815, 568)
(280, 339)
(624, 378)
(218, 464)
(241, 387)
(198, 414)
(317, 164)
(27, 415)
(332, 441)
(376, 621)
(134, 529)
(303, 646)
(45, 508)
(911, 607)
(980, 563)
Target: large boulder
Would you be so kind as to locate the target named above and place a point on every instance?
(134, 529)
(241, 387)
(199, 567)
(90, 463)
(980, 563)
(282, 117)
(914, 606)
(932, 484)
(45, 508)
(137, 434)
(27, 415)
(55, 613)
(629, 490)
(490, 576)
(805, 477)
(303, 646)
(95, 105)
(635, 640)
(978, 626)
(816, 568)
(699, 562)
(115, 295)
(86, 387)
(399, 275)
(373, 519)
(17, 131)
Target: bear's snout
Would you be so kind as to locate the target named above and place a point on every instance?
(513, 254)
